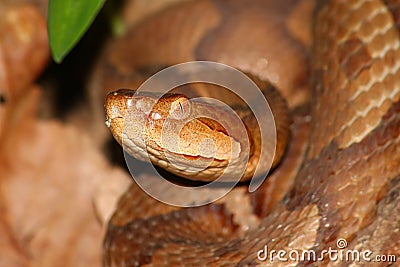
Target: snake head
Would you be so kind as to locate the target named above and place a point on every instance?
(174, 128)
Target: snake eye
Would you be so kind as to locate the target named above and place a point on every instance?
(180, 108)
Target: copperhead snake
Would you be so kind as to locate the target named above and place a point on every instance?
(346, 177)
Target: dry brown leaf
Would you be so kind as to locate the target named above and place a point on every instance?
(23, 47)
(137, 10)
(50, 172)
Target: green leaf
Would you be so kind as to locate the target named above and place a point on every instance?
(68, 21)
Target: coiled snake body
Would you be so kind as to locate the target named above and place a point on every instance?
(347, 185)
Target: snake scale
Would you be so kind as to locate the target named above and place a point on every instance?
(346, 177)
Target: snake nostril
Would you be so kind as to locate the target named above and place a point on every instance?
(3, 99)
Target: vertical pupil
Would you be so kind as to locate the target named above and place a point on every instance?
(181, 107)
